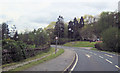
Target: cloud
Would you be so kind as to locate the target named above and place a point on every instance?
(32, 14)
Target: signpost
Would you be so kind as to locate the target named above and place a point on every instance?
(56, 38)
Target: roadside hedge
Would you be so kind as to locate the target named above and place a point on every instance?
(14, 51)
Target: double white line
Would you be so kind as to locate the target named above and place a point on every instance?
(75, 62)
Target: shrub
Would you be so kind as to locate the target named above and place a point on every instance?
(110, 39)
(13, 47)
(98, 46)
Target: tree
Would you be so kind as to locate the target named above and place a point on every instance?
(0, 32)
(110, 39)
(106, 20)
(59, 27)
(12, 31)
(36, 37)
(70, 29)
(5, 31)
(16, 36)
(89, 19)
(51, 25)
(74, 27)
(65, 30)
(87, 33)
(81, 24)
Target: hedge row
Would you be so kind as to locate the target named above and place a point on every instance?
(14, 51)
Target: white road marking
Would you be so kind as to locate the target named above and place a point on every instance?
(90, 52)
(75, 62)
(108, 61)
(87, 55)
(101, 57)
(108, 55)
(117, 66)
(95, 54)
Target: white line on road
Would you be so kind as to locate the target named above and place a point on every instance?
(108, 61)
(90, 52)
(108, 55)
(75, 62)
(101, 57)
(95, 54)
(117, 66)
(87, 55)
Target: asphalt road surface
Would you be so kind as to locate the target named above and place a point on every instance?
(89, 60)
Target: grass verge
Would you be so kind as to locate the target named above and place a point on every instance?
(39, 61)
(80, 44)
(105, 51)
(42, 53)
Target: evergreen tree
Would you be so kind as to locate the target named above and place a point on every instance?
(70, 29)
(5, 31)
(16, 36)
(59, 27)
(81, 22)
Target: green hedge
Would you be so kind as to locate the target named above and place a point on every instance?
(14, 51)
(110, 39)
(13, 48)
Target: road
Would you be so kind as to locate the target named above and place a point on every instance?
(57, 64)
(89, 60)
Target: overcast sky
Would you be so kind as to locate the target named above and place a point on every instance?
(33, 14)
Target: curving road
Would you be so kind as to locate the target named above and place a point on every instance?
(95, 61)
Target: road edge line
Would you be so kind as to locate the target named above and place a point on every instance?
(68, 68)
(75, 62)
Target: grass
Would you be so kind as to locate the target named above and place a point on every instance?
(94, 49)
(42, 53)
(105, 51)
(80, 44)
(85, 44)
(39, 61)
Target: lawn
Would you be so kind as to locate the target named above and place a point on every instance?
(80, 44)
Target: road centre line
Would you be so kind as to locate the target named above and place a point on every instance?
(88, 55)
(117, 66)
(108, 55)
(90, 52)
(101, 57)
(108, 61)
(95, 54)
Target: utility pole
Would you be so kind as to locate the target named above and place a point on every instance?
(56, 38)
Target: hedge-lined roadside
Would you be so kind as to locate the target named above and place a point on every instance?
(40, 61)
(14, 51)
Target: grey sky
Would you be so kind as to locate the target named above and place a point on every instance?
(33, 14)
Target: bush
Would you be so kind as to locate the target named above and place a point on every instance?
(98, 46)
(110, 39)
(15, 49)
